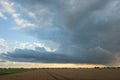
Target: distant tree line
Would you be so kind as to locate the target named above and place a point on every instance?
(106, 67)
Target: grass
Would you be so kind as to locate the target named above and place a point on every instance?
(11, 71)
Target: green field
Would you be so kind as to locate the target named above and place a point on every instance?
(11, 71)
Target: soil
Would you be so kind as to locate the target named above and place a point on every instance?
(65, 74)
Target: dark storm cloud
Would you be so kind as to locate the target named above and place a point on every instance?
(87, 30)
(27, 55)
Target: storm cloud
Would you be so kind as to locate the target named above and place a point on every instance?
(88, 31)
(40, 55)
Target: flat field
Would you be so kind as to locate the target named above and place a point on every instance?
(65, 74)
(11, 71)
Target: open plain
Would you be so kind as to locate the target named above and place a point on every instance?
(65, 74)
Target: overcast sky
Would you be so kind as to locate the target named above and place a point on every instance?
(60, 32)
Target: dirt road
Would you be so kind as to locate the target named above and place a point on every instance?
(66, 74)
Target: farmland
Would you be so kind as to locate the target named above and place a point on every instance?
(65, 74)
(12, 70)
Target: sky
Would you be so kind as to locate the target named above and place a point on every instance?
(59, 33)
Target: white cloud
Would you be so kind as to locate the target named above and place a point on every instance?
(3, 16)
(22, 45)
(41, 17)
(22, 23)
(32, 15)
(10, 8)
(15, 15)
(11, 46)
(47, 48)
(3, 43)
(32, 45)
(7, 6)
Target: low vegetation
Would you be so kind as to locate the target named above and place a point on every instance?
(4, 71)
